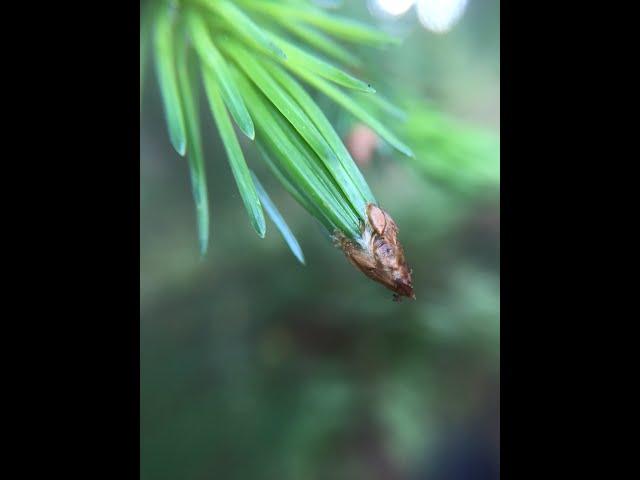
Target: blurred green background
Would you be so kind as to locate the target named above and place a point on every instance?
(256, 367)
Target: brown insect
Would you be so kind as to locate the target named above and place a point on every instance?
(379, 255)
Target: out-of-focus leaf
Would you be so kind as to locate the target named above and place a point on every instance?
(145, 21)
(451, 152)
(381, 103)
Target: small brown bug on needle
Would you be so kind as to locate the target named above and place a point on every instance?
(379, 254)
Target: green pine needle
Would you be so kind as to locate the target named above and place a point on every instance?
(335, 25)
(276, 218)
(242, 25)
(298, 160)
(319, 41)
(211, 56)
(165, 71)
(264, 80)
(358, 111)
(250, 74)
(303, 60)
(234, 154)
(195, 156)
(328, 132)
(294, 191)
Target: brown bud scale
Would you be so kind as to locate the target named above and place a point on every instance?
(379, 254)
